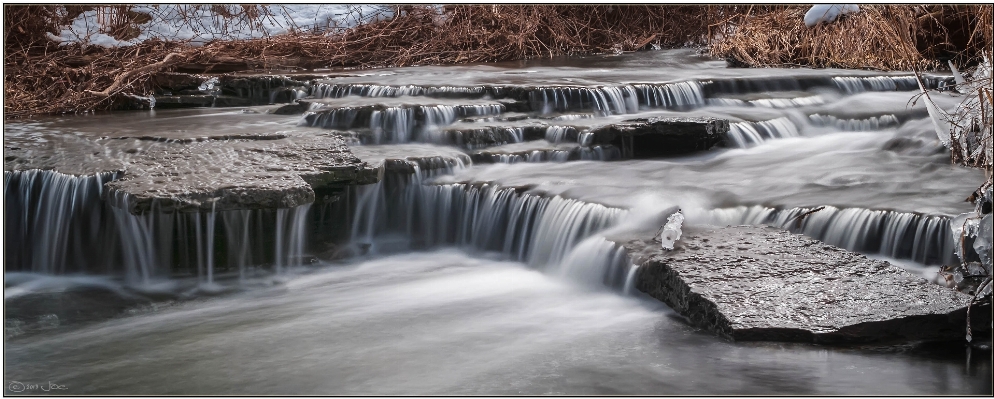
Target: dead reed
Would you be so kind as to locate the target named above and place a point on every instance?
(42, 77)
(883, 37)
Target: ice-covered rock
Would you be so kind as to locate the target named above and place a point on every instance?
(672, 230)
(827, 13)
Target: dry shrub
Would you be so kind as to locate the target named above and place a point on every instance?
(884, 37)
(468, 33)
(49, 79)
(44, 78)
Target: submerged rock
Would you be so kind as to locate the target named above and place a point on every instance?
(760, 283)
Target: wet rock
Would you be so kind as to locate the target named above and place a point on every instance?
(489, 136)
(296, 108)
(243, 173)
(760, 283)
(200, 100)
(653, 137)
(176, 82)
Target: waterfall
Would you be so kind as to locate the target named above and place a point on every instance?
(788, 102)
(921, 238)
(404, 212)
(595, 153)
(401, 124)
(614, 100)
(597, 261)
(62, 224)
(672, 95)
(853, 85)
(855, 125)
(52, 221)
(747, 134)
(323, 90)
(561, 134)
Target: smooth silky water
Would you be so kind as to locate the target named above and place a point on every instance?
(497, 278)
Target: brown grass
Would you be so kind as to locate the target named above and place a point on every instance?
(44, 78)
(884, 37)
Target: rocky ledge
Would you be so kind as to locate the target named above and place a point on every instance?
(760, 283)
(256, 172)
(653, 137)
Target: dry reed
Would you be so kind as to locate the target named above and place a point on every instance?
(42, 77)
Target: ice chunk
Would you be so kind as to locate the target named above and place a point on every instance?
(942, 127)
(956, 75)
(671, 230)
(982, 243)
(827, 13)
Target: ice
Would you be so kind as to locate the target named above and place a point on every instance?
(671, 230)
(982, 243)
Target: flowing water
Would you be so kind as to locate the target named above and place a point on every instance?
(475, 266)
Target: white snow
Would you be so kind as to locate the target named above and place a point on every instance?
(827, 13)
(200, 24)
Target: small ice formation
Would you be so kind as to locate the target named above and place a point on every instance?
(671, 230)
(827, 13)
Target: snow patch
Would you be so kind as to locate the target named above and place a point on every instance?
(200, 24)
(827, 13)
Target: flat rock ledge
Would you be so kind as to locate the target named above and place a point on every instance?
(749, 283)
(282, 171)
(654, 137)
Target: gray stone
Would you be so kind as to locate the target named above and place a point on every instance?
(489, 136)
(296, 108)
(243, 173)
(654, 137)
(176, 82)
(760, 283)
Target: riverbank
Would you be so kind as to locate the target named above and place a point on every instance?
(44, 76)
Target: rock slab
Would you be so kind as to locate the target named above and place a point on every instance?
(655, 137)
(749, 283)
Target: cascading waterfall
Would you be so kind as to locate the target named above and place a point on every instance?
(852, 85)
(747, 134)
(52, 220)
(855, 125)
(595, 153)
(405, 211)
(323, 90)
(921, 238)
(399, 124)
(613, 100)
(162, 244)
(672, 95)
(561, 134)
(789, 102)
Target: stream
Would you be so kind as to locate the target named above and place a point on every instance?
(479, 268)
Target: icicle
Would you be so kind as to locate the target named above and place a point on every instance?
(942, 127)
(960, 82)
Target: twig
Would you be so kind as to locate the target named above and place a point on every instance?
(119, 80)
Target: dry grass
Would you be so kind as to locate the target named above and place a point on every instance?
(44, 78)
(884, 37)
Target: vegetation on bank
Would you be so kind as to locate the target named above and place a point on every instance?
(44, 77)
